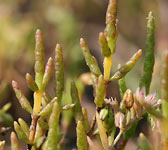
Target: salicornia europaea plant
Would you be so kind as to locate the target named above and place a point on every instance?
(115, 120)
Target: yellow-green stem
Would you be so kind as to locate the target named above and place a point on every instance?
(37, 101)
(107, 67)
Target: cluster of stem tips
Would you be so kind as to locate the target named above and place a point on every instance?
(114, 121)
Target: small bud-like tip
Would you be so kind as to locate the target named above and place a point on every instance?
(50, 59)
(55, 98)
(38, 31)
(82, 43)
(150, 14)
(38, 35)
(49, 63)
(101, 34)
(14, 84)
(141, 135)
(81, 39)
(101, 76)
(13, 137)
(140, 51)
(19, 119)
(15, 123)
(28, 76)
(58, 46)
(128, 99)
(12, 134)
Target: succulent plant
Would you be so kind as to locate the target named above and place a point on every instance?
(116, 121)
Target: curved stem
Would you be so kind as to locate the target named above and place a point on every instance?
(118, 137)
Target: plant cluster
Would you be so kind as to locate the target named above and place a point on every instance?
(116, 121)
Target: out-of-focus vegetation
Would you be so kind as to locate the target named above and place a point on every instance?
(64, 22)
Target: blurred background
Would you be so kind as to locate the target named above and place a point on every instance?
(64, 22)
